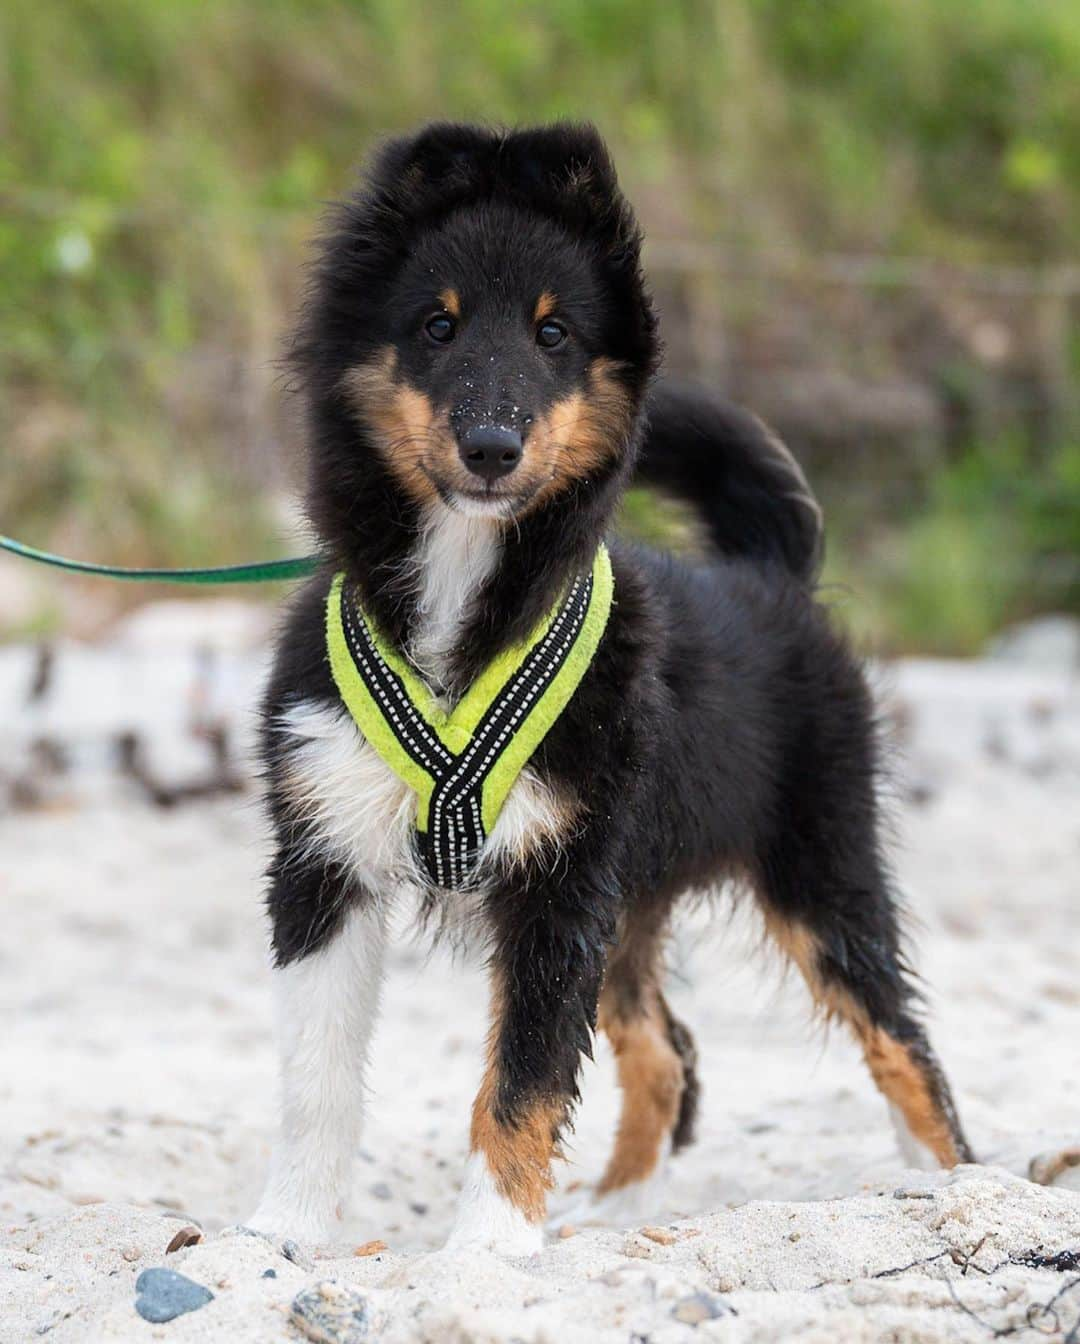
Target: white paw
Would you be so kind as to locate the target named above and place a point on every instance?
(486, 1219)
(280, 1224)
(915, 1154)
(525, 1239)
(628, 1206)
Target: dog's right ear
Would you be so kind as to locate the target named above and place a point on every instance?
(566, 170)
(441, 166)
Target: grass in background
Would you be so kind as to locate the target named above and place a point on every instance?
(160, 161)
(994, 541)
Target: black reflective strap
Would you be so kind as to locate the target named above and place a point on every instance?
(409, 726)
(452, 845)
(455, 826)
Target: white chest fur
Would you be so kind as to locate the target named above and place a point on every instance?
(456, 554)
(363, 816)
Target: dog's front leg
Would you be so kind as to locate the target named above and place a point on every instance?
(546, 971)
(327, 987)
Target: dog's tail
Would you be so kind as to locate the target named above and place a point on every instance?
(750, 491)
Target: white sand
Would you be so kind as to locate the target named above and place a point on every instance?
(137, 1068)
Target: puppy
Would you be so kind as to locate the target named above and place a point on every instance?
(490, 702)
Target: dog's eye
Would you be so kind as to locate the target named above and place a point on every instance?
(441, 328)
(550, 334)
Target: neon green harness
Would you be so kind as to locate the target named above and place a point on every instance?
(462, 764)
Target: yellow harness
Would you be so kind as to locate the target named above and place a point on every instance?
(462, 764)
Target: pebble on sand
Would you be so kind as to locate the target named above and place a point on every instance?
(333, 1313)
(295, 1253)
(187, 1236)
(700, 1307)
(162, 1294)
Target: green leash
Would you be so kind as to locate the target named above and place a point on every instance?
(266, 571)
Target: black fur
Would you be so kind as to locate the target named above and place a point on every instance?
(682, 1042)
(753, 497)
(724, 727)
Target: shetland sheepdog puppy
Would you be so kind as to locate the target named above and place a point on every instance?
(489, 702)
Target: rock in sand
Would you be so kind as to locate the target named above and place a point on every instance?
(162, 1294)
(333, 1313)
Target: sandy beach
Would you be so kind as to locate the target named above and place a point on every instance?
(137, 1074)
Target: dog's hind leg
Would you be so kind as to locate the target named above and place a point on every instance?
(327, 986)
(656, 1065)
(837, 922)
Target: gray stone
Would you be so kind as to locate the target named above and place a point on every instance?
(700, 1307)
(333, 1313)
(291, 1251)
(162, 1294)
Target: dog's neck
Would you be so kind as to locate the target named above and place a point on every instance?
(452, 590)
(454, 558)
(466, 588)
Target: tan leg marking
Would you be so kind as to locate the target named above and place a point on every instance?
(899, 1075)
(802, 948)
(651, 1077)
(518, 1155)
(902, 1081)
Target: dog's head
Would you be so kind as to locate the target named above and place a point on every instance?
(478, 332)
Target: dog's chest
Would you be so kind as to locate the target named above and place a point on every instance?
(359, 812)
(362, 815)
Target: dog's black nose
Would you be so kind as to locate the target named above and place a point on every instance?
(490, 451)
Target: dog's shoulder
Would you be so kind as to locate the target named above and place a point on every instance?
(300, 669)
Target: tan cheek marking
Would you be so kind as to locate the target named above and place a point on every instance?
(451, 301)
(402, 419)
(585, 430)
(546, 304)
(651, 1077)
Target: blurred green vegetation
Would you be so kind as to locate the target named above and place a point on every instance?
(992, 542)
(162, 163)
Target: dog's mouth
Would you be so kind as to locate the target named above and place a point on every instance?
(504, 499)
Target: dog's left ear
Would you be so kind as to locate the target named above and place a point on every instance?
(566, 169)
(565, 172)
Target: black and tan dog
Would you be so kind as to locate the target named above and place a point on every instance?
(483, 704)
